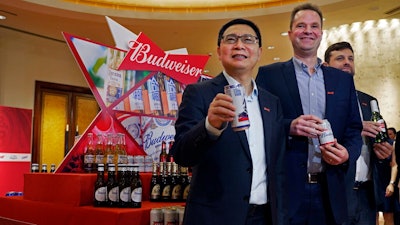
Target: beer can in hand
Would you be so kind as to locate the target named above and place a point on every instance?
(326, 138)
(241, 120)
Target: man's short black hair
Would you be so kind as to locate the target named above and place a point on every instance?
(336, 47)
(239, 21)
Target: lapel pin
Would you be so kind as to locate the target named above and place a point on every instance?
(330, 92)
(267, 109)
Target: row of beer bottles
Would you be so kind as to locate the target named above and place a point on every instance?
(169, 182)
(106, 149)
(35, 168)
(122, 189)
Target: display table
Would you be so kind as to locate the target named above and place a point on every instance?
(65, 199)
(44, 213)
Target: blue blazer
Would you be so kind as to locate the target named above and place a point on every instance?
(343, 114)
(222, 167)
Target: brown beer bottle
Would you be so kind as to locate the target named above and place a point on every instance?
(166, 182)
(100, 188)
(155, 194)
(124, 186)
(89, 155)
(176, 186)
(163, 153)
(136, 186)
(112, 187)
(185, 183)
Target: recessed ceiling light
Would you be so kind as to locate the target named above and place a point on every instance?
(2, 17)
(284, 33)
(270, 47)
(276, 58)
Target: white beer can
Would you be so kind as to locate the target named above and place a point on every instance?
(326, 138)
(241, 120)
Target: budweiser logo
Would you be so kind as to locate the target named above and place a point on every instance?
(146, 55)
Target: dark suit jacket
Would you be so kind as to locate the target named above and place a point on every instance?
(343, 114)
(222, 168)
(380, 169)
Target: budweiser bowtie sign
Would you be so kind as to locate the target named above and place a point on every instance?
(138, 90)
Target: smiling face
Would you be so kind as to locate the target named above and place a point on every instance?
(239, 58)
(306, 33)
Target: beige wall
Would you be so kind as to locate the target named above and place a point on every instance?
(25, 58)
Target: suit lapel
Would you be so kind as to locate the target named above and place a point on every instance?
(220, 82)
(330, 85)
(265, 109)
(364, 101)
(289, 75)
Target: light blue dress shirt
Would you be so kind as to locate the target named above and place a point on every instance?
(312, 95)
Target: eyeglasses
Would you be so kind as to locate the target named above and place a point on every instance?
(245, 38)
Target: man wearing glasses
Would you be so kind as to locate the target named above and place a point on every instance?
(237, 175)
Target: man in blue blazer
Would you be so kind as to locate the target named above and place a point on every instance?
(238, 176)
(310, 92)
(367, 184)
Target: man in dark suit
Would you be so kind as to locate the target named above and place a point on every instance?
(238, 176)
(365, 190)
(310, 92)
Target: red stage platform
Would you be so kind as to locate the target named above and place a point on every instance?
(65, 199)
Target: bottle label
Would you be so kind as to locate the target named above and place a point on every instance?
(99, 159)
(125, 194)
(100, 194)
(382, 125)
(155, 191)
(166, 191)
(137, 195)
(113, 194)
(176, 192)
(186, 192)
(89, 159)
(122, 159)
(110, 158)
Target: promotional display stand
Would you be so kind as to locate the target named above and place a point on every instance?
(138, 87)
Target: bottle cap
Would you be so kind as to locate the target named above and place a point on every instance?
(374, 106)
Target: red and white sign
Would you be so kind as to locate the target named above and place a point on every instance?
(138, 90)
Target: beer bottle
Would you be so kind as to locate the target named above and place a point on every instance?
(100, 188)
(136, 187)
(166, 182)
(88, 160)
(109, 151)
(377, 117)
(124, 186)
(185, 182)
(155, 194)
(176, 186)
(44, 168)
(163, 153)
(120, 150)
(35, 168)
(112, 187)
(52, 168)
(99, 158)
